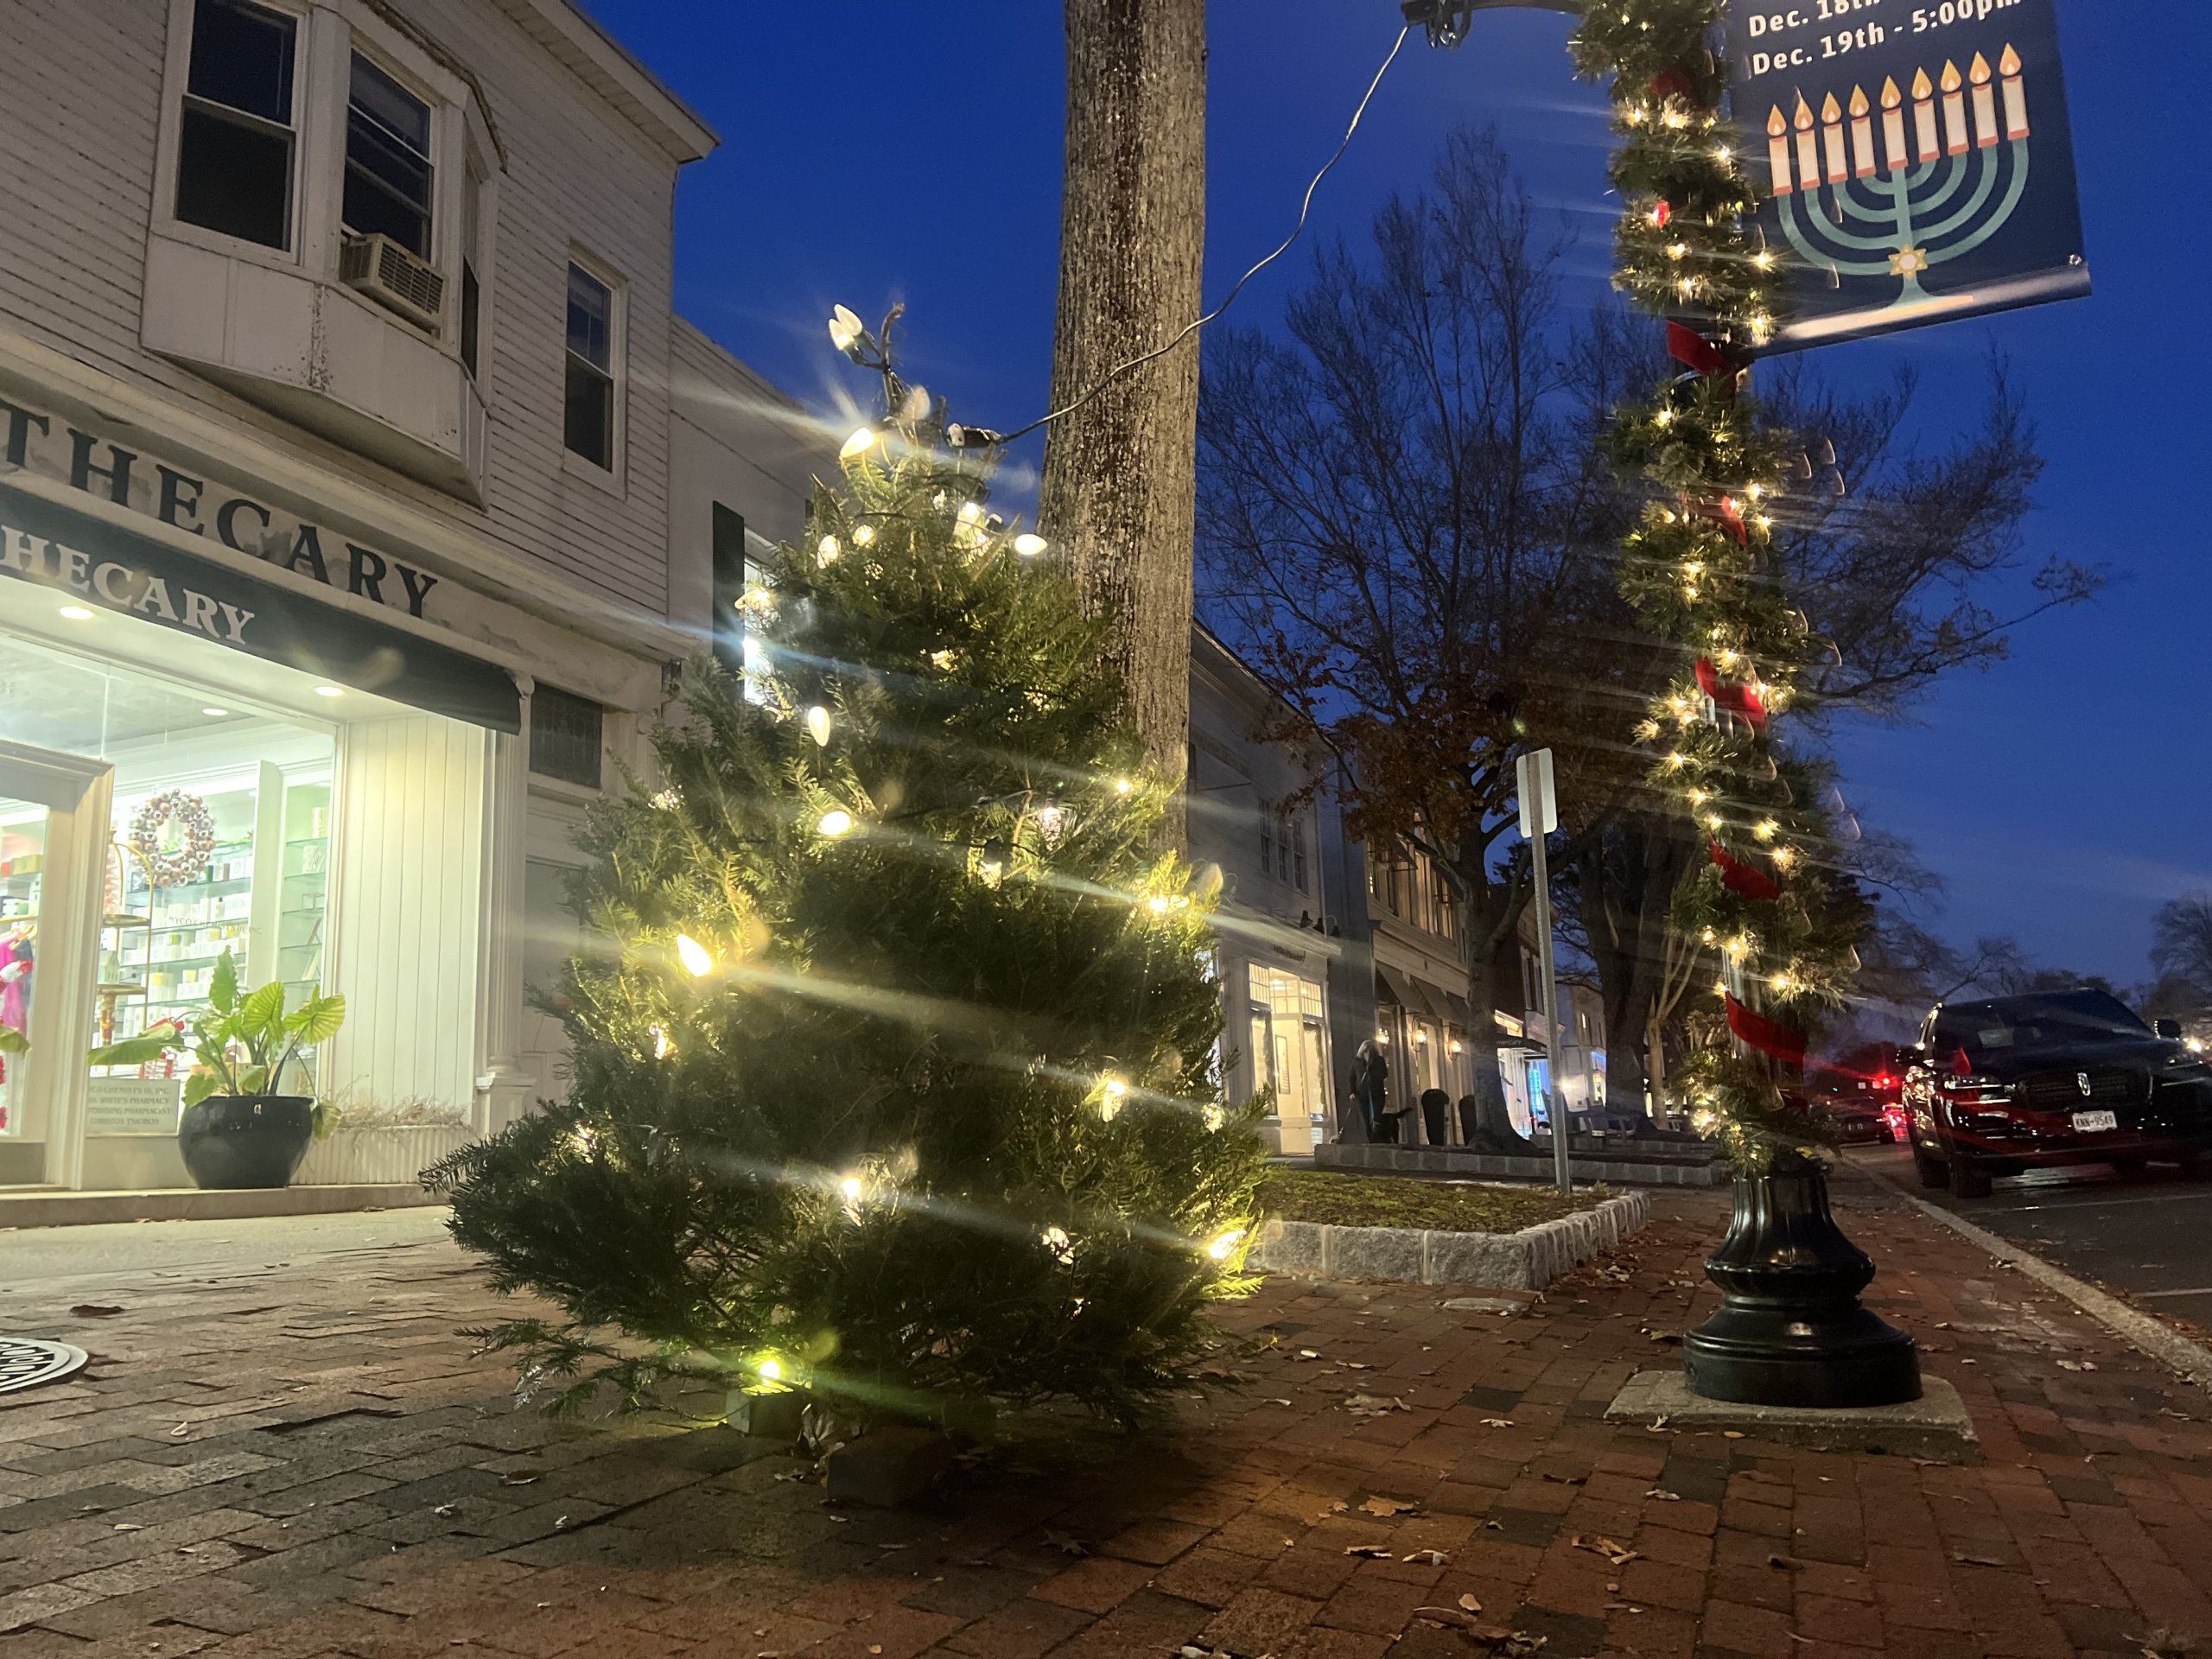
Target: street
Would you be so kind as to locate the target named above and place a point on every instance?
(2149, 1235)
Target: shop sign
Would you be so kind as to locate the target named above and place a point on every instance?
(1918, 154)
(52, 447)
(98, 563)
(133, 1105)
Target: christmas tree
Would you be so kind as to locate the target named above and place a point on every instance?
(893, 1064)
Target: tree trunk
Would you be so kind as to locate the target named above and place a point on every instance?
(1120, 474)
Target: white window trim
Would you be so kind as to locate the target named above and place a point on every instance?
(610, 479)
(176, 72)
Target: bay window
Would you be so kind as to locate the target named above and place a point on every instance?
(388, 173)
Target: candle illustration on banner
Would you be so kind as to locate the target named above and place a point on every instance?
(1862, 134)
(1955, 111)
(1832, 130)
(1865, 222)
(1984, 101)
(2016, 94)
(1893, 125)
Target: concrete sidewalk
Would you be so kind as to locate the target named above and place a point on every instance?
(306, 1462)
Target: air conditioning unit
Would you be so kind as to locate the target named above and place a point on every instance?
(394, 277)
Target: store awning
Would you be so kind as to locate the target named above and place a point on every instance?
(1406, 992)
(1457, 1011)
(97, 564)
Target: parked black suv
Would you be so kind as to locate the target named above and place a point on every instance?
(2052, 1078)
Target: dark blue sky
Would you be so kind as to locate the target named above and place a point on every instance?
(912, 150)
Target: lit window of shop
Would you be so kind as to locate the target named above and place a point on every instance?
(1289, 1051)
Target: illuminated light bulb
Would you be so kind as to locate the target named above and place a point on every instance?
(845, 329)
(940, 659)
(971, 513)
(1741, 945)
(1695, 567)
(1110, 1098)
(1029, 544)
(667, 800)
(1158, 904)
(1710, 936)
(1382, 1038)
(770, 1370)
(1056, 1241)
(850, 1189)
(1678, 251)
(817, 725)
(1420, 1039)
(1782, 983)
(1784, 857)
(859, 444)
(1727, 658)
(697, 960)
(1122, 785)
(1687, 287)
(1213, 1117)
(835, 822)
(826, 552)
(864, 536)
(1724, 155)
(330, 691)
(1225, 1247)
(1763, 261)
(1689, 590)
(76, 614)
(661, 1044)
(1677, 760)
(1664, 417)
(1051, 820)
(1766, 829)
(1715, 823)
(1458, 1048)
(582, 1139)
(1699, 797)
(1755, 491)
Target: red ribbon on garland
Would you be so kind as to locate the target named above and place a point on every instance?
(1764, 1036)
(1693, 350)
(1747, 880)
(1738, 700)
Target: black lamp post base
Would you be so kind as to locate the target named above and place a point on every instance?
(1790, 1331)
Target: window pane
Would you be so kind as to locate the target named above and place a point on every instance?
(234, 179)
(591, 319)
(589, 427)
(388, 172)
(242, 56)
(470, 298)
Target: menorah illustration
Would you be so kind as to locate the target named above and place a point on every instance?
(1915, 217)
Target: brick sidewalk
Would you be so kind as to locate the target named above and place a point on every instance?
(311, 1464)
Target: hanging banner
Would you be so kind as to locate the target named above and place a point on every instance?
(1920, 156)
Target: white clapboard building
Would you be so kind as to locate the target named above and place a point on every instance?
(361, 499)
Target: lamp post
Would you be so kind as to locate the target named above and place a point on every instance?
(1790, 1331)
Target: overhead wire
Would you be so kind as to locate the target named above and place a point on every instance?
(1305, 212)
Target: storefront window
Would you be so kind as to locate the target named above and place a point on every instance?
(218, 843)
(1288, 1050)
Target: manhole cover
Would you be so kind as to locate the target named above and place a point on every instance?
(26, 1362)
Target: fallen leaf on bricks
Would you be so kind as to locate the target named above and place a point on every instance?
(1274, 1402)
(1612, 1548)
(1664, 1497)
(179, 1431)
(447, 1509)
(1965, 1560)
(1731, 1433)
(1469, 1604)
(1567, 1480)
(1388, 1506)
(93, 1311)
(1305, 1353)
(1497, 1422)
(1372, 1552)
(518, 1480)
(129, 1526)
(1783, 1563)
(1066, 1545)
(1428, 1557)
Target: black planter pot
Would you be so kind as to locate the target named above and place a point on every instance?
(242, 1141)
(1790, 1331)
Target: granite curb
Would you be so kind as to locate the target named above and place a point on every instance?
(1527, 1260)
(1585, 1167)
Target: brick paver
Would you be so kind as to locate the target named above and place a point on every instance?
(312, 1463)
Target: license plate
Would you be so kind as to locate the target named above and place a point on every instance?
(2092, 1122)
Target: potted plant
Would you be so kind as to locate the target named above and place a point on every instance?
(239, 1128)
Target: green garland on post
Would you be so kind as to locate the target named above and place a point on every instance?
(1698, 568)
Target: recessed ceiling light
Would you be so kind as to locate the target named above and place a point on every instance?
(76, 614)
(329, 691)
(216, 714)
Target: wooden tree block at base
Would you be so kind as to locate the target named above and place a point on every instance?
(887, 1467)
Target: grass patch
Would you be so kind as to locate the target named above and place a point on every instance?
(1385, 1201)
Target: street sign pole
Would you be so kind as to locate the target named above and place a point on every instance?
(1539, 817)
